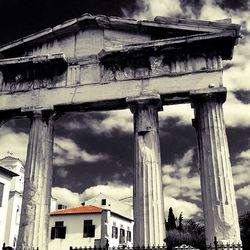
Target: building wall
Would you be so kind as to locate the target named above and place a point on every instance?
(9, 234)
(13, 218)
(103, 230)
(17, 183)
(116, 206)
(87, 42)
(120, 223)
(74, 231)
(4, 208)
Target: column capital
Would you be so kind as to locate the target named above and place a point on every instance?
(203, 95)
(44, 113)
(141, 101)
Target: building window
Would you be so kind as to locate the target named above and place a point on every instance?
(114, 232)
(88, 229)
(104, 202)
(61, 206)
(122, 236)
(129, 236)
(58, 231)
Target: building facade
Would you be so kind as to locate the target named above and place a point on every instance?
(14, 200)
(6, 176)
(11, 193)
(89, 226)
(106, 202)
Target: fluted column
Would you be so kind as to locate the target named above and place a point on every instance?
(34, 224)
(149, 228)
(218, 195)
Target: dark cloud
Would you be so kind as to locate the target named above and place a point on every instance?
(22, 17)
(234, 4)
(243, 96)
(118, 146)
(175, 140)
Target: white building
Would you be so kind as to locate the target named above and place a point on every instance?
(6, 176)
(90, 225)
(11, 210)
(14, 201)
(106, 202)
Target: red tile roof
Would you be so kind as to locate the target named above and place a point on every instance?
(77, 210)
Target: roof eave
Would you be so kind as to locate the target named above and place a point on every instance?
(171, 43)
(8, 172)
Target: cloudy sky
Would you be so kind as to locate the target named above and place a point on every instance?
(94, 151)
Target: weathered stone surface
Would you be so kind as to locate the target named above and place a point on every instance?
(141, 73)
(156, 65)
(148, 196)
(90, 73)
(91, 93)
(33, 231)
(125, 74)
(73, 75)
(89, 42)
(107, 74)
(116, 38)
(218, 196)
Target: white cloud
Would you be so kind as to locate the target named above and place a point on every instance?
(245, 154)
(241, 173)
(13, 142)
(244, 193)
(114, 190)
(212, 10)
(67, 152)
(237, 76)
(71, 199)
(152, 8)
(236, 113)
(65, 196)
(121, 120)
(183, 112)
(188, 209)
(178, 181)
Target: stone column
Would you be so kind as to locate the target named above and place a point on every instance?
(218, 195)
(34, 223)
(149, 228)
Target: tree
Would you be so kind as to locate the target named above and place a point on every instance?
(180, 227)
(197, 232)
(171, 219)
(190, 233)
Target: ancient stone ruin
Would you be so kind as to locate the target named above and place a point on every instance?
(105, 63)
